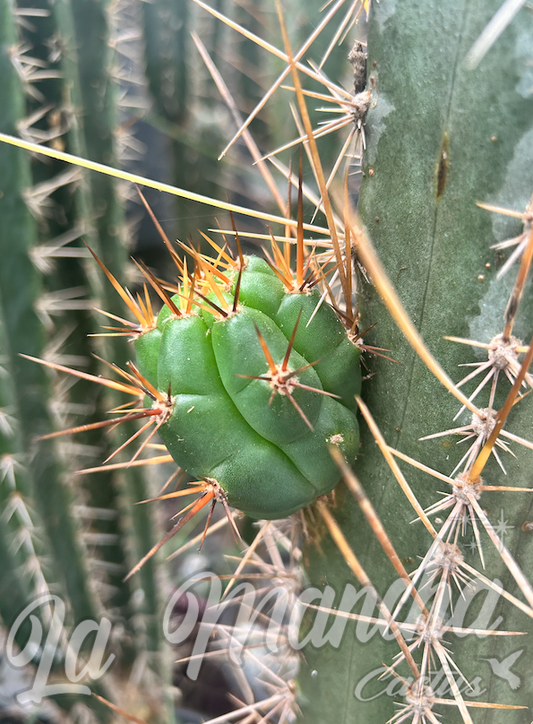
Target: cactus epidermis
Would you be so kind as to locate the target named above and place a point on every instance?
(260, 382)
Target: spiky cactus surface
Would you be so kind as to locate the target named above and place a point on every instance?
(74, 540)
(442, 136)
(258, 384)
(223, 373)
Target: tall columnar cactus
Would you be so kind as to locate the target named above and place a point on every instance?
(22, 330)
(74, 539)
(182, 102)
(64, 215)
(441, 136)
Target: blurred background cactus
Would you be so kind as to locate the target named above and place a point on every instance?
(123, 83)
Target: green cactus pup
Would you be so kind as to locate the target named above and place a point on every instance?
(250, 378)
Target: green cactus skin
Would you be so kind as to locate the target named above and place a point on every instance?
(58, 556)
(99, 97)
(435, 245)
(228, 423)
(20, 289)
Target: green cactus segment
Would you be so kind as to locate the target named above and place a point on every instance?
(186, 361)
(323, 340)
(207, 435)
(235, 343)
(260, 287)
(147, 351)
(336, 425)
(244, 432)
(262, 483)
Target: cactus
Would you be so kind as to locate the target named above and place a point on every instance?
(181, 109)
(440, 137)
(27, 389)
(250, 390)
(75, 540)
(214, 364)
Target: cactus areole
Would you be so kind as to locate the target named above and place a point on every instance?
(260, 380)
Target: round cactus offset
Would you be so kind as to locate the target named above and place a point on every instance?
(256, 389)
(250, 379)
